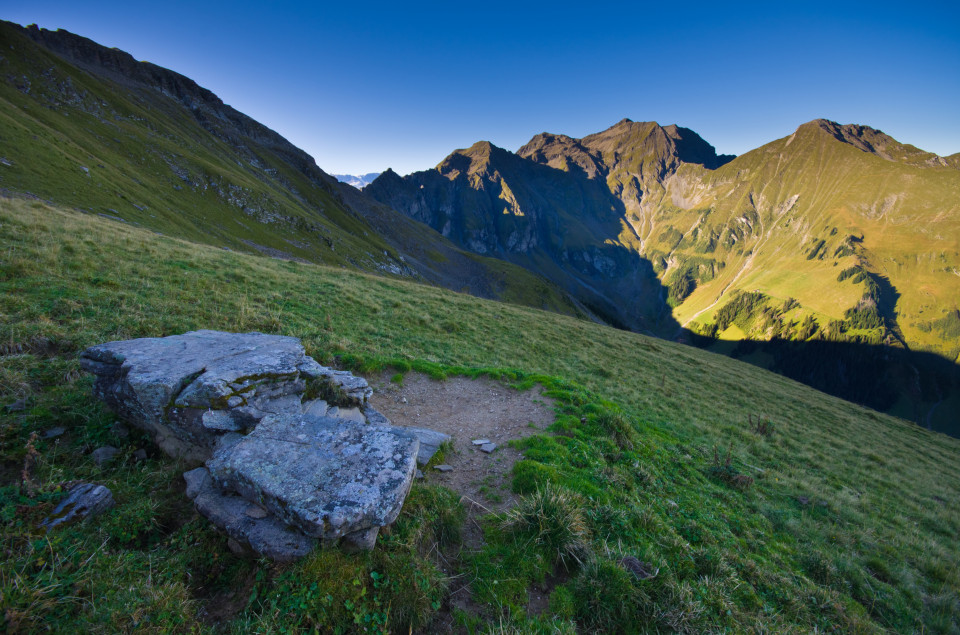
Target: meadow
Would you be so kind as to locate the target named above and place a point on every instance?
(827, 516)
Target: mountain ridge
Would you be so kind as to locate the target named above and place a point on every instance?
(793, 221)
(91, 127)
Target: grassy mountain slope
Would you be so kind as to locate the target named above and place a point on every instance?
(862, 241)
(833, 253)
(849, 519)
(90, 127)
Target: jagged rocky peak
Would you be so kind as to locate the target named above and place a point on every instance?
(876, 142)
(861, 137)
(563, 153)
(626, 142)
(633, 139)
(473, 160)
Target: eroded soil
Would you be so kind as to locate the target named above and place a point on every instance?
(468, 410)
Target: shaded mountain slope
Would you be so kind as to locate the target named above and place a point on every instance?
(88, 126)
(494, 202)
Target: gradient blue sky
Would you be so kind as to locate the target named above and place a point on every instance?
(364, 86)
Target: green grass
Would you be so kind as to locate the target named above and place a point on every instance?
(851, 522)
(126, 150)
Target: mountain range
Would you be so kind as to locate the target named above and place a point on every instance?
(831, 255)
(357, 181)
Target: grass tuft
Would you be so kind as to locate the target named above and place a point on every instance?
(553, 517)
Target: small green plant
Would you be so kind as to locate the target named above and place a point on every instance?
(724, 470)
(323, 388)
(605, 598)
(762, 426)
(620, 428)
(553, 517)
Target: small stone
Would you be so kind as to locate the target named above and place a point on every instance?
(443, 468)
(17, 406)
(234, 401)
(403, 400)
(104, 454)
(53, 433)
(236, 548)
(84, 500)
(197, 481)
(641, 570)
(120, 431)
(488, 447)
(419, 474)
(672, 504)
(480, 441)
(255, 511)
(803, 500)
(363, 540)
(140, 455)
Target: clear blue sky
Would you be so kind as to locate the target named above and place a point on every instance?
(364, 86)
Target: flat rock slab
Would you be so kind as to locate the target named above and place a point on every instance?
(328, 477)
(263, 533)
(488, 447)
(187, 390)
(430, 440)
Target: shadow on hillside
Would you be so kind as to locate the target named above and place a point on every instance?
(890, 379)
(613, 281)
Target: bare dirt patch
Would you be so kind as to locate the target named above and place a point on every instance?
(468, 410)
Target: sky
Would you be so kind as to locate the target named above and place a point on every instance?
(363, 86)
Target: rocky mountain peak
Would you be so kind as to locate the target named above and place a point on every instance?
(876, 142)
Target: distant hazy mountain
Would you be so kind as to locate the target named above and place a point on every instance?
(358, 182)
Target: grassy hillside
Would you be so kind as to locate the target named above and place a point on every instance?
(835, 518)
(89, 127)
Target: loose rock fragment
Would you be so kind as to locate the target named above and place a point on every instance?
(488, 447)
(84, 500)
(104, 454)
(443, 468)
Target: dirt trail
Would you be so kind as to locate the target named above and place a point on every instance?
(468, 409)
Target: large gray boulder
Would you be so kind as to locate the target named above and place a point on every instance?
(328, 477)
(188, 390)
(285, 469)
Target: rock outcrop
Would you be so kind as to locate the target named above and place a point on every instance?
(293, 453)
